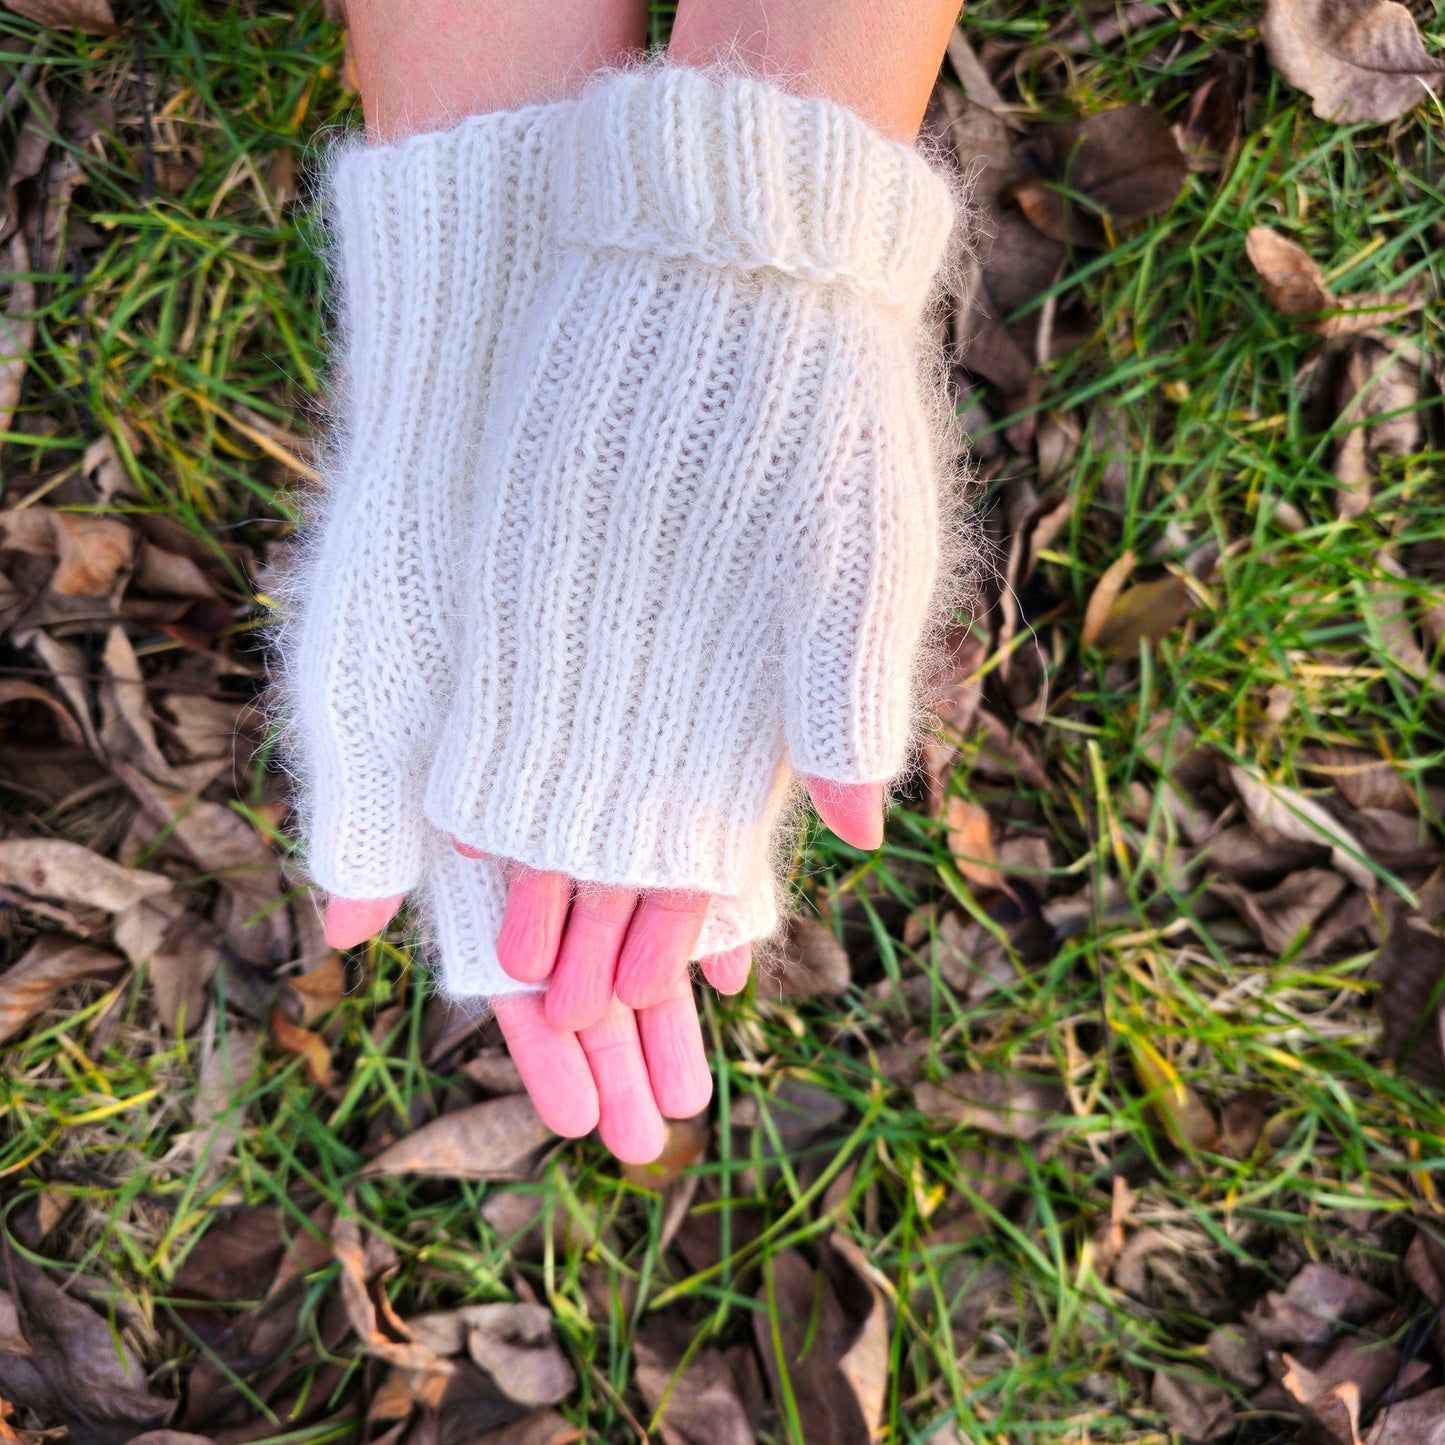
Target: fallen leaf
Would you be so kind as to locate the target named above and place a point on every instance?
(1197, 1409)
(1122, 164)
(79, 1373)
(1292, 283)
(17, 329)
(800, 1312)
(541, 1427)
(1185, 1116)
(1408, 971)
(1283, 913)
(322, 988)
(1209, 130)
(91, 16)
(686, 1140)
(1012, 1105)
(516, 1345)
(1317, 1303)
(867, 1295)
(1335, 1410)
(180, 952)
(313, 1051)
(491, 1140)
(53, 868)
(702, 1402)
(1145, 613)
(1237, 1354)
(1359, 60)
(1105, 594)
(31, 984)
(1291, 814)
(813, 963)
(1420, 1421)
(970, 841)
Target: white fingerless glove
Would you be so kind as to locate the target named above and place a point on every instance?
(439, 246)
(707, 542)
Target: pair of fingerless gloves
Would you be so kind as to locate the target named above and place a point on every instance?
(632, 502)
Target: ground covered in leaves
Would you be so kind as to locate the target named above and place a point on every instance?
(1101, 1104)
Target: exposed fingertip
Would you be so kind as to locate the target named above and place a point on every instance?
(351, 921)
(728, 972)
(854, 811)
(636, 1136)
(465, 850)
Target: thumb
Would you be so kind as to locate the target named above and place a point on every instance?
(350, 921)
(854, 811)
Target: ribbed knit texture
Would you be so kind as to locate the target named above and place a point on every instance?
(461, 908)
(439, 248)
(707, 546)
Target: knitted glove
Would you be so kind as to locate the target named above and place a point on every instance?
(708, 543)
(435, 252)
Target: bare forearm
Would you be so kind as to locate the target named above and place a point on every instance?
(878, 59)
(425, 64)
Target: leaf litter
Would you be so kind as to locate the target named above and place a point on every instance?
(163, 887)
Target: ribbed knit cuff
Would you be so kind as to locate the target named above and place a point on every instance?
(732, 171)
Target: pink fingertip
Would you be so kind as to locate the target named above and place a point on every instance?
(676, 1058)
(659, 943)
(351, 921)
(532, 924)
(552, 1065)
(728, 972)
(630, 1124)
(854, 811)
(466, 851)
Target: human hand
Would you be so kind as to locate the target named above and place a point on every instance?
(594, 942)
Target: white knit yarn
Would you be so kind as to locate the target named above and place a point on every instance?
(435, 254)
(707, 544)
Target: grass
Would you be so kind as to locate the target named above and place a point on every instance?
(191, 336)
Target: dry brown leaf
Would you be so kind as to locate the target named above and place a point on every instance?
(799, 1308)
(1420, 1421)
(128, 731)
(1408, 971)
(394, 1344)
(322, 988)
(1144, 613)
(93, 554)
(517, 1346)
(1292, 283)
(1281, 914)
(1186, 1118)
(1124, 163)
(1317, 1304)
(703, 1405)
(1012, 1105)
(1197, 1409)
(91, 16)
(814, 964)
(313, 1051)
(53, 868)
(970, 841)
(54, 962)
(492, 1140)
(864, 1364)
(541, 1427)
(1105, 594)
(1209, 131)
(1358, 59)
(1288, 812)
(78, 1370)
